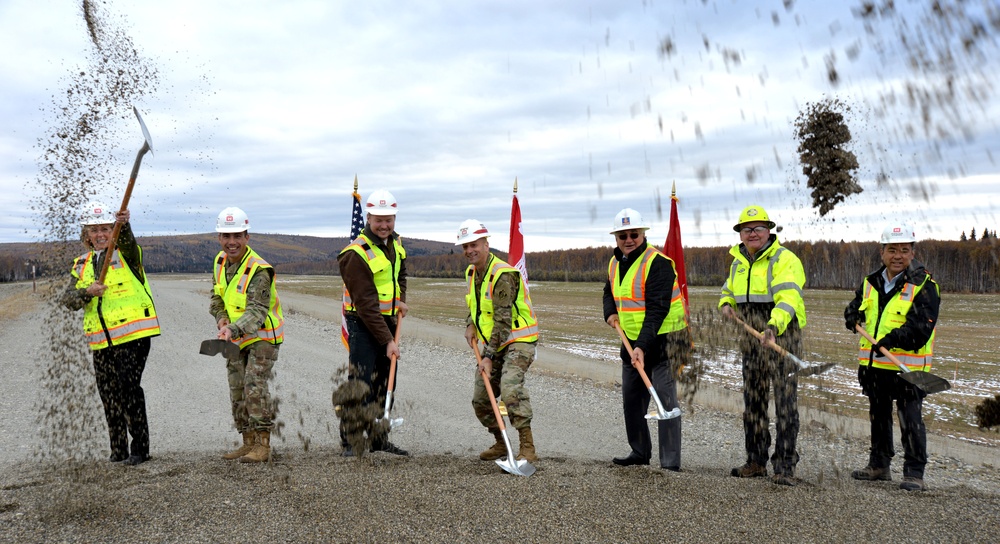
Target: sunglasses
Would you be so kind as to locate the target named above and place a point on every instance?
(627, 235)
(758, 229)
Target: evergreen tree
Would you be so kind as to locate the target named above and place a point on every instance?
(972, 235)
(964, 238)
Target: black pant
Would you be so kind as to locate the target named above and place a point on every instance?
(635, 403)
(762, 368)
(368, 363)
(882, 386)
(118, 370)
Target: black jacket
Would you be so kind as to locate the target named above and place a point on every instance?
(921, 319)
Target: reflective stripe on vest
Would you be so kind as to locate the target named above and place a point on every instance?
(524, 324)
(630, 296)
(124, 313)
(234, 295)
(384, 273)
(890, 318)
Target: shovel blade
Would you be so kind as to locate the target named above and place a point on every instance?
(927, 382)
(516, 467)
(813, 370)
(661, 416)
(214, 347)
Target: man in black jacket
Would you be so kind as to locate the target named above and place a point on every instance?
(898, 305)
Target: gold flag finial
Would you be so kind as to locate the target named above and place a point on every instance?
(355, 183)
(515, 185)
(673, 189)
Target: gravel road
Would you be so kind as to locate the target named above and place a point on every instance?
(442, 492)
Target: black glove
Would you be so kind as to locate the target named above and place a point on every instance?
(850, 323)
(879, 345)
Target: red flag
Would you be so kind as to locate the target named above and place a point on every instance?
(357, 223)
(673, 249)
(516, 254)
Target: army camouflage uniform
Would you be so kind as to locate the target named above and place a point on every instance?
(250, 373)
(509, 364)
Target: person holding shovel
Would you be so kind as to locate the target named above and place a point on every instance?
(642, 297)
(502, 319)
(247, 312)
(373, 268)
(764, 289)
(898, 306)
(119, 319)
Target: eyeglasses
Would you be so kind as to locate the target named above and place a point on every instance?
(760, 229)
(627, 235)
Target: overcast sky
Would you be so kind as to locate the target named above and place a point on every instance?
(276, 106)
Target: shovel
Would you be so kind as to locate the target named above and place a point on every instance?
(214, 347)
(146, 146)
(393, 423)
(518, 467)
(927, 382)
(803, 370)
(661, 412)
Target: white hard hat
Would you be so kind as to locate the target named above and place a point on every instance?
(381, 202)
(899, 233)
(97, 213)
(232, 219)
(628, 219)
(471, 230)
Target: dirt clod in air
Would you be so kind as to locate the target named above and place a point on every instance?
(988, 413)
(359, 421)
(828, 165)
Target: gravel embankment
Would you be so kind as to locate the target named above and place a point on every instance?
(442, 493)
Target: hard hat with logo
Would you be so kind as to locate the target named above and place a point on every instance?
(97, 213)
(628, 219)
(471, 230)
(899, 233)
(381, 202)
(232, 219)
(751, 214)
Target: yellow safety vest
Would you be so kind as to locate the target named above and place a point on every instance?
(630, 296)
(234, 294)
(125, 312)
(775, 276)
(384, 272)
(878, 324)
(524, 326)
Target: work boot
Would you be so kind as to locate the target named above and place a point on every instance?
(249, 439)
(870, 473)
(785, 479)
(497, 450)
(912, 483)
(261, 451)
(749, 470)
(527, 449)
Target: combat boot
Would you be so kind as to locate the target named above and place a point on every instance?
(261, 451)
(249, 439)
(497, 450)
(527, 449)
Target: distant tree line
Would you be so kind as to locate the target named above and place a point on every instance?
(971, 266)
(957, 266)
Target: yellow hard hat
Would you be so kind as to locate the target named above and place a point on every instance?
(753, 213)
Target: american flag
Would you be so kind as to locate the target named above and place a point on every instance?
(357, 223)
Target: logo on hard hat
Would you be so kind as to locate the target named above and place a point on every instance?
(897, 230)
(751, 212)
(464, 232)
(626, 220)
(229, 219)
(98, 211)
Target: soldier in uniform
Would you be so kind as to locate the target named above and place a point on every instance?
(502, 319)
(118, 321)
(247, 312)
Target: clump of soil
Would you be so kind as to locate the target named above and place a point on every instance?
(358, 419)
(988, 413)
(828, 166)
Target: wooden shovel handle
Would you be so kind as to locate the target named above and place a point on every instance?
(118, 226)
(628, 347)
(392, 363)
(884, 351)
(489, 388)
